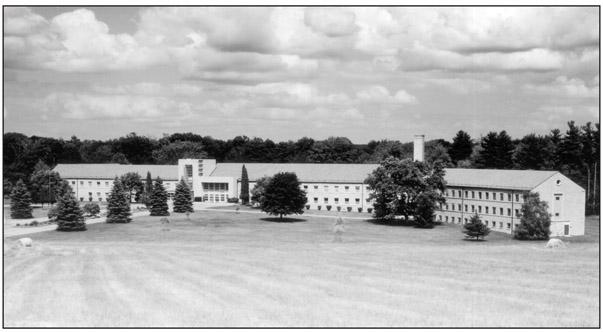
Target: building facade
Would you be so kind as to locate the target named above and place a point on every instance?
(93, 182)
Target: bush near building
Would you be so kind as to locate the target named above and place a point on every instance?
(91, 209)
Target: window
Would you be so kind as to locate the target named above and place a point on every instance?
(558, 182)
(487, 194)
(516, 225)
(315, 187)
(98, 194)
(494, 224)
(509, 197)
(73, 182)
(357, 200)
(465, 220)
(446, 218)
(493, 196)
(486, 222)
(336, 200)
(487, 210)
(326, 188)
(98, 183)
(557, 198)
(473, 194)
(460, 207)
(508, 225)
(460, 194)
(517, 212)
(205, 186)
(315, 200)
(509, 212)
(440, 217)
(326, 200)
(479, 208)
(347, 201)
(305, 187)
(452, 207)
(89, 194)
(107, 183)
(357, 188)
(347, 188)
(493, 210)
(502, 197)
(368, 200)
(90, 183)
(452, 191)
(500, 226)
(501, 211)
(472, 208)
(336, 189)
(466, 194)
(466, 209)
(517, 197)
(479, 195)
(446, 206)
(189, 170)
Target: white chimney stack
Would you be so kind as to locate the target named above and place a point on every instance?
(419, 148)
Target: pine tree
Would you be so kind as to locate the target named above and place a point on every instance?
(159, 205)
(475, 228)
(118, 207)
(148, 190)
(20, 202)
(244, 187)
(69, 214)
(182, 198)
(461, 147)
(535, 219)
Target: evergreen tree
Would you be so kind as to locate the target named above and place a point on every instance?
(244, 187)
(69, 214)
(535, 219)
(159, 205)
(497, 151)
(461, 147)
(20, 202)
(182, 198)
(148, 190)
(284, 196)
(118, 206)
(475, 228)
(425, 212)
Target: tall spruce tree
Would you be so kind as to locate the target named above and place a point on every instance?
(535, 219)
(182, 198)
(244, 186)
(118, 206)
(148, 190)
(461, 147)
(69, 214)
(20, 202)
(159, 205)
(475, 228)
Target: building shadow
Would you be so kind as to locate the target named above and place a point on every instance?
(400, 223)
(283, 220)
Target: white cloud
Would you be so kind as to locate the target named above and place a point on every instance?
(564, 87)
(461, 86)
(379, 94)
(149, 89)
(333, 22)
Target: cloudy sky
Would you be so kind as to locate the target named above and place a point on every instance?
(284, 73)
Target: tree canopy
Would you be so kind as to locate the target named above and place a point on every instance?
(283, 195)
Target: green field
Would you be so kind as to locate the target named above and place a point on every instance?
(223, 269)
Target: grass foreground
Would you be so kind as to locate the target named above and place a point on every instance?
(226, 269)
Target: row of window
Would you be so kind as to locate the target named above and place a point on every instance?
(336, 200)
(336, 188)
(481, 195)
(494, 224)
(215, 198)
(215, 186)
(451, 207)
(98, 183)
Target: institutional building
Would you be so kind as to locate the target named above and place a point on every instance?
(496, 195)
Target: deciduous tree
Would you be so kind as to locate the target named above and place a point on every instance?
(283, 195)
(132, 184)
(257, 193)
(535, 219)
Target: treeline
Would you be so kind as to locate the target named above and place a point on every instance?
(575, 152)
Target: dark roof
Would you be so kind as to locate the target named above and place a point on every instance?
(110, 171)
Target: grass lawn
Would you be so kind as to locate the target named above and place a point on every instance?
(223, 269)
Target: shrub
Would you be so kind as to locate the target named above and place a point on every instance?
(329, 207)
(339, 208)
(319, 207)
(199, 199)
(232, 200)
(34, 223)
(349, 209)
(18, 225)
(53, 213)
(91, 209)
(369, 210)
(307, 206)
(359, 210)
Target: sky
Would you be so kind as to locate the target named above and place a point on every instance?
(282, 73)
